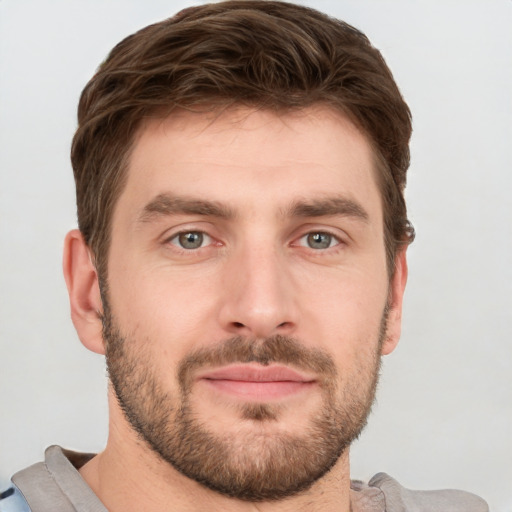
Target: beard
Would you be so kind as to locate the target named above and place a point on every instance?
(256, 464)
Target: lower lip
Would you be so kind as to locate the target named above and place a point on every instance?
(258, 391)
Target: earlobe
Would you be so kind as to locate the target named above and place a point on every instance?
(395, 301)
(84, 292)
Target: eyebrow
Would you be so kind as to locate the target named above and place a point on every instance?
(330, 206)
(168, 204)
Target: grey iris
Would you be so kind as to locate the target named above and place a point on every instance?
(192, 240)
(319, 240)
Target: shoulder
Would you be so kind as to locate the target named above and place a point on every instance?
(397, 498)
(12, 500)
(54, 485)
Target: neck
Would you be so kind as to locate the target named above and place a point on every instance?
(127, 476)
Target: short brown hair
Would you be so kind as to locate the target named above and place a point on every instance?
(263, 54)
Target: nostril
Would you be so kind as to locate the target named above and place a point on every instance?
(238, 325)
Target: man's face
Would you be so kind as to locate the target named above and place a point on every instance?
(248, 295)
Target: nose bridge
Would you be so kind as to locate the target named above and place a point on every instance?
(259, 300)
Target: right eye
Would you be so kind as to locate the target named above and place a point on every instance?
(191, 240)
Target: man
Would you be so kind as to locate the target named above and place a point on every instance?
(241, 262)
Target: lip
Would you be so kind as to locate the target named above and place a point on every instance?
(258, 383)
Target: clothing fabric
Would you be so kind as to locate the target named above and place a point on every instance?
(55, 485)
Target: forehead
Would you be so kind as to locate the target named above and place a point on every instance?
(241, 154)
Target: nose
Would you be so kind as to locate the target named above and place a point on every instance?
(258, 299)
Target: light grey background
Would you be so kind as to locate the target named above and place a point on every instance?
(444, 412)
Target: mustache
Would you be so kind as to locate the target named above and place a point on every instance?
(275, 349)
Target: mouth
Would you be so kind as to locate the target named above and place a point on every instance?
(257, 383)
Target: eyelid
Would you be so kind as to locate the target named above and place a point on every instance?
(169, 237)
(187, 227)
(341, 236)
(206, 241)
(337, 240)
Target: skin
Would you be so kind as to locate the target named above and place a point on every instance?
(255, 276)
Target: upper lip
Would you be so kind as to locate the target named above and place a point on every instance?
(256, 373)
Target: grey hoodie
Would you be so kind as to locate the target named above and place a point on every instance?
(55, 485)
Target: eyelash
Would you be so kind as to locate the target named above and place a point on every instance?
(176, 237)
(333, 240)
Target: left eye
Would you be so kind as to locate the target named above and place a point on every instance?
(319, 240)
(191, 240)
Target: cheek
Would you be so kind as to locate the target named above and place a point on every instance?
(169, 308)
(343, 312)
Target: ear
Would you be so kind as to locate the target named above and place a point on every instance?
(84, 291)
(395, 300)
